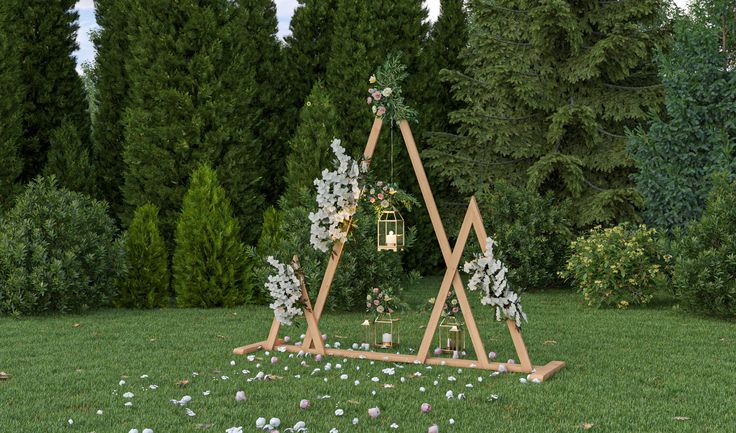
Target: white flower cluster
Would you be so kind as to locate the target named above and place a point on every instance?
(285, 291)
(489, 275)
(337, 199)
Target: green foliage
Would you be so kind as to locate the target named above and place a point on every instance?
(191, 101)
(271, 234)
(146, 284)
(679, 152)
(58, 252)
(41, 40)
(309, 149)
(533, 234)
(617, 266)
(705, 265)
(209, 265)
(385, 94)
(68, 160)
(10, 127)
(362, 267)
(550, 88)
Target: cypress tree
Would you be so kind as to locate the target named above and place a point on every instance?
(310, 147)
(551, 89)
(146, 284)
(681, 150)
(11, 132)
(69, 161)
(112, 44)
(41, 36)
(190, 100)
(210, 266)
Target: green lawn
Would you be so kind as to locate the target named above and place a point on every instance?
(628, 371)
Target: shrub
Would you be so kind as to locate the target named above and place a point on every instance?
(210, 266)
(616, 266)
(533, 234)
(146, 284)
(704, 276)
(58, 252)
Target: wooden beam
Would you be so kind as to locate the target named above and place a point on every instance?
(546, 371)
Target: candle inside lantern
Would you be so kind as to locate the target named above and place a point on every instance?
(455, 354)
(387, 338)
(391, 239)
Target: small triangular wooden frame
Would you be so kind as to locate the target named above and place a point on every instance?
(313, 342)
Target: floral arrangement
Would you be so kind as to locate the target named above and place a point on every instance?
(489, 276)
(385, 92)
(382, 196)
(451, 307)
(381, 301)
(337, 199)
(285, 291)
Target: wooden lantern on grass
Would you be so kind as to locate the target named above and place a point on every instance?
(386, 331)
(390, 228)
(451, 336)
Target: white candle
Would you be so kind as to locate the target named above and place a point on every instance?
(391, 239)
(455, 354)
(386, 337)
(450, 343)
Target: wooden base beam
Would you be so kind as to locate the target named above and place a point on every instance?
(546, 371)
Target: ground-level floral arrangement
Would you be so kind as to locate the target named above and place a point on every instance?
(381, 301)
(285, 291)
(451, 308)
(489, 276)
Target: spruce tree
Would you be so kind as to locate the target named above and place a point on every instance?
(365, 33)
(146, 283)
(681, 150)
(112, 44)
(307, 49)
(210, 266)
(190, 100)
(309, 149)
(551, 88)
(41, 36)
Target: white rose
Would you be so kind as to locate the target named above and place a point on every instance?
(387, 92)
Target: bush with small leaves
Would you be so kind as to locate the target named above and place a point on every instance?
(617, 266)
(58, 252)
(146, 284)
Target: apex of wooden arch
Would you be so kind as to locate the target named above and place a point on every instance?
(313, 342)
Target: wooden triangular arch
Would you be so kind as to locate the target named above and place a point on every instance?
(313, 342)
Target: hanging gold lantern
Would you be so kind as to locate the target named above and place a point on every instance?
(451, 337)
(386, 331)
(390, 227)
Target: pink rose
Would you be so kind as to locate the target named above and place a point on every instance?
(371, 90)
(377, 96)
(368, 305)
(381, 111)
(372, 200)
(304, 404)
(374, 412)
(426, 407)
(449, 294)
(375, 290)
(376, 302)
(455, 309)
(445, 306)
(390, 310)
(433, 429)
(369, 100)
(437, 351)
(380, 196)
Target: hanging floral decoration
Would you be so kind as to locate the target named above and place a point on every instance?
(381, 301)
(383, 196)
(337, 200)
(489, 276)
(384, 93)
(285, 291)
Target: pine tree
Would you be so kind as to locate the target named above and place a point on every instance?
(551, 88)
(209, 264)
(42, 37)
(696, 138)
(309, 149)
(191, 95)
(146, 284)
(307, 49)
(10, 124)
(365, 33)
(112, 44)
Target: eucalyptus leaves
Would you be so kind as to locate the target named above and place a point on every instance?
(489, 275)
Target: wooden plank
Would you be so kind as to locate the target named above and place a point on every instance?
(249, 348)
(272, 334)
(312, 328)
(518, 344)
(546, 371)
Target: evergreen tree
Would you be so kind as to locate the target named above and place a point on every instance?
(307, 49)
(190, 100)
(146, 283)
(10, 124)
(41, 37)
(681, 150)
(210, 266)
(365, 33)
(111, 84)
(310, 147)
(69, 161)
(551, 88)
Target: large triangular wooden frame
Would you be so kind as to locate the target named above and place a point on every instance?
(313, 342)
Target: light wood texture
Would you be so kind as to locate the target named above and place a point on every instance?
(473, 220)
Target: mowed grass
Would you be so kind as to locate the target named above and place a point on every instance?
(628, 371)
